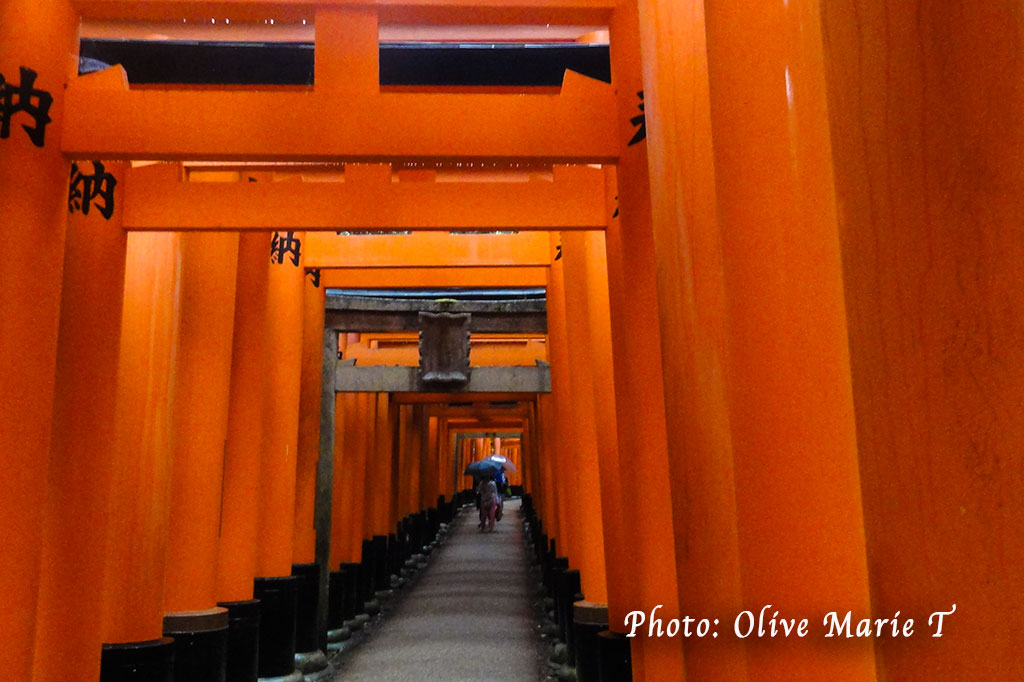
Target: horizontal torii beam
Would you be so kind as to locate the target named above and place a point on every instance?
(159, 198)
(427, 249)
(391, 11)
(103, 120)
(349, 379)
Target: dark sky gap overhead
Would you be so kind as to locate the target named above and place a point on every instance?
(424, 64)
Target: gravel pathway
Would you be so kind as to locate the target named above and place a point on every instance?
(467, 618)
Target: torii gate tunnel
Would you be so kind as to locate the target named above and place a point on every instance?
(744, 318)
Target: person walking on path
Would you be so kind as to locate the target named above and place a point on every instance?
(488, 503)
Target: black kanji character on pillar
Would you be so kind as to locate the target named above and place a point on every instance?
(84, 188)
(314, 276)
(20, 98)
(616, 214)
(641, 121)
(558, 252)
(281, 246)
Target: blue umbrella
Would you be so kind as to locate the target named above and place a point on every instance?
(485, 468)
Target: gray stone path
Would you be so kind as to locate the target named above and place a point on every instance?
(467, 618)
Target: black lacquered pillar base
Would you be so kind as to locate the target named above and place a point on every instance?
(243, 640)
(589, 619)
(278, 601)
(309, 660)
(200, 644)
(614, 659)
(150, 661)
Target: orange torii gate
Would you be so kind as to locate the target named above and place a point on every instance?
(101, 118)
(160, 197)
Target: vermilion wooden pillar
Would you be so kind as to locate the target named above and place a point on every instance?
(594, 445)
(250, 358)
(369, 433)
(548, 507)
(33, 201)
(445, 479)
(562, 422)
(382, 492)
(202, 382)
(309, 418)
(415, 459)
(547, 442)
(925, 103)
(280, 440)
(406, 467)
(798, 493)
(340, 520)
(349, 478)
(78, 486)
(431, 462)
(683, 252)
(140, 492)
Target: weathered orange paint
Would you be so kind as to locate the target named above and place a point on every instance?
(139, 495)
(789, 387)
(74, 543)
(250, 358)
(925, 105)
(309, 420)
(202, 382)
(281, 426)
(33, 194)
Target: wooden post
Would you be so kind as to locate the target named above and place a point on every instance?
(70, 611)
(236, 564)
(800, 524)
(559, 446)
(309, 418)
(33, 195)
(925, 105)
(593, 449)
(284, 337)
(199, 421)
(139, 495)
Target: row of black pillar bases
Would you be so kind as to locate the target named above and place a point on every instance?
(598, 654)
(244, 641)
